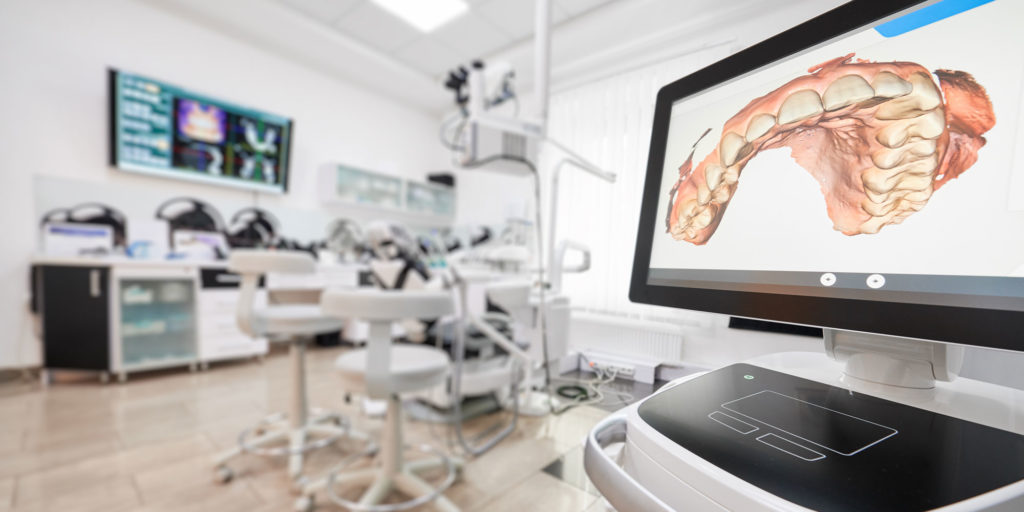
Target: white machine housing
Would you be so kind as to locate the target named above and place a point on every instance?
(655, 473)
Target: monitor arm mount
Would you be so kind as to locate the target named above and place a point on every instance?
(894, 361)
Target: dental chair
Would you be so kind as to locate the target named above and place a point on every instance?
(301, 430)
(486, 362)
(385, 370)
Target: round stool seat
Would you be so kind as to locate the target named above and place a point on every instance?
(413, 368)
(376, 304)
(295, 319)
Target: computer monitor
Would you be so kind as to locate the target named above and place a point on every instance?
(863, 171)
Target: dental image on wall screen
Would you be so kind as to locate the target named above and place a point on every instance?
(895, 149)
(166, 130)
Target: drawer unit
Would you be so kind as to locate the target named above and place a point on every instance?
(219, 335)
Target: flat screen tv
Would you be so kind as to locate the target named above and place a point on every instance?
(861, 172)
(164, 130)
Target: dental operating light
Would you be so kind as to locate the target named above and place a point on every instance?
(425, 15)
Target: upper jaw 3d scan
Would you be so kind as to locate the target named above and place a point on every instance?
(879, 137)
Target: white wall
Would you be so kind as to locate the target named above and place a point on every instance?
(54, 55)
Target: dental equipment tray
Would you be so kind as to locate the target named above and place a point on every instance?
(828, 448)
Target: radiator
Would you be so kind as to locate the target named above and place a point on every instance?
(649, 339)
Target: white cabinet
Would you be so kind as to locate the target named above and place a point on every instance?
(154, 318)
(219, 335)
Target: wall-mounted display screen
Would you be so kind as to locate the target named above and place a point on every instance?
(162, 129)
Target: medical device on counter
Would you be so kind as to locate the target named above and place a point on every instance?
(76, 239)
(858, 172)
(200, 225)
(253, 228)
(94, 214)
(190, 213)
(345, 239)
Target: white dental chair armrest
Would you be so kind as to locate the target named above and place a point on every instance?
(558, 267)
(617, 486)
(564, 247)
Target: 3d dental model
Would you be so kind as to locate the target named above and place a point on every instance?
(878, 137)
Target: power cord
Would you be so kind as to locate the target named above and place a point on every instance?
(595, 390)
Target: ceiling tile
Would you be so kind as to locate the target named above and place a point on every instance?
(515, 17)
(472, 37)
(377, 27)
(577, 7)
(429, 56)
(325, 11)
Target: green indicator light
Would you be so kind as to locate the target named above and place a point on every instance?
(748, 377)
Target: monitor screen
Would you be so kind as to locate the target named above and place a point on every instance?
(866, 163)
(165, 130)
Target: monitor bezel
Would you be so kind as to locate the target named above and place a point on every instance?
(968, 326)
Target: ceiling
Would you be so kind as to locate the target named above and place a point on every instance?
(487, 27)
(361, 44)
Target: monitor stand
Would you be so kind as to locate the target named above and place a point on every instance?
(894, 361)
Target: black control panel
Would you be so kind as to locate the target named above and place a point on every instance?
(828, 448)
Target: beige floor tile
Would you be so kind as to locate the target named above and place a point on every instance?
(6, 493)
(112, 466)
(540, 492)
(600, 505)
(148, 444)
(237, 497)
(271, 483)
(11, 441)
(509, 463)
(163, 482)
(111, 494)
(24, 462)
(568, 429)
(54, 438)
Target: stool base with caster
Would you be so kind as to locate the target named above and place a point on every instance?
(389, 473)
(385, 371)
(274, 436)
(302, 429)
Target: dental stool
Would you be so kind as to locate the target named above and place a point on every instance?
(384, 370)
(301, 430)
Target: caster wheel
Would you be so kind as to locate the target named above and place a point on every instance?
(304, 504)
(223, 474)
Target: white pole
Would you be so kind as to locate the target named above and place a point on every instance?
(542, 60)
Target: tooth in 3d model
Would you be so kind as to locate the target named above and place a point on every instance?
(879, 137)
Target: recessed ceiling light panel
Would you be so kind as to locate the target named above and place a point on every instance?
(425, 15)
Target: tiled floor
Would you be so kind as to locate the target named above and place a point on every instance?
(147, 445)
